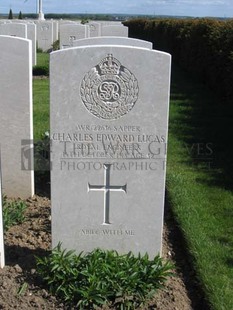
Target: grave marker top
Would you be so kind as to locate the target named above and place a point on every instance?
(14, 29)
(113, 41)
(71, 32)
(114, 30)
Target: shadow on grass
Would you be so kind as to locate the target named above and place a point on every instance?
(42, 183)
(204, 124)
(184, 261)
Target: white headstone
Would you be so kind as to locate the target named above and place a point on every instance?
(109, 119)
(55, 31)
(2, 254)
(114, 31)
(44, 35)
(5, 21)
(62, 22)
(94, 29)
(14, 30)
(16, 129)
(71, 32)
(113, 41)
(109, 22)
(31, 35)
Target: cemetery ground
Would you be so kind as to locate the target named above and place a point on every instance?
(21, 288)
(198, 234)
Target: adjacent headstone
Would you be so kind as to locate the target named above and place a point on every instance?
(2, 253)
(14, 30)
(109, 119)
(44, 35)
(62, 22)
(71, 32)
(5, 21)
(16, 130)
(31, 35)
(28, 33)
(114, 23)
(114, 31)
(94, 29)
(113, 41)
(55, 31)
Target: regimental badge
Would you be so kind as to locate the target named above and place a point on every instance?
(109, 90)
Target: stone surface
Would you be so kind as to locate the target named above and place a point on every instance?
(31, 35)
(94, 29)
(14, 30)
(113, 41)
(71, 32)
(44, 34)
(114, 30)
(16, 131)
(55, 30)
(2, 253)
(109, 117)
(5, 21)
(27, 31)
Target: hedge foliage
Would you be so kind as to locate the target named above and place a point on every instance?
(203, 47)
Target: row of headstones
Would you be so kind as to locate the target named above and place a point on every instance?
(42, 34)
(45, 33)
(21, 30)
(109, 119)
(69, 33)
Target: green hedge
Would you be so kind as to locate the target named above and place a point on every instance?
(203, 47)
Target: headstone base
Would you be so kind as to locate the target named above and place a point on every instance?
(41, 16)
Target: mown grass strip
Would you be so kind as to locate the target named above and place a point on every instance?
(199, 183)
(41, 99)
(43, 59)
(40, 107)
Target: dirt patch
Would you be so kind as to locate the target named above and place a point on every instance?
(20, 287)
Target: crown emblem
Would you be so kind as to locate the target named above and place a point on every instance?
(109, 90)
(109, 65)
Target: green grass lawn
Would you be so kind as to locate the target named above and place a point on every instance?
(42, 59)
(40, 107)
(199, 178)
(41, 125)
(199, 183)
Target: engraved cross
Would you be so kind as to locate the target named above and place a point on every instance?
(107, 188)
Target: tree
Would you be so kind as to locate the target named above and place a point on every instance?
(10, 16)
(20, 15)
